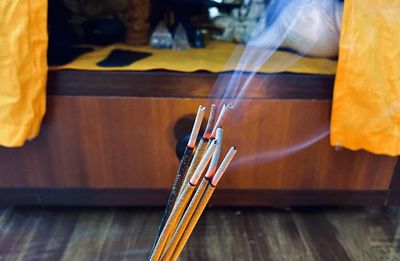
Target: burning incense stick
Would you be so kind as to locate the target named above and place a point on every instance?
(187, 156)
(211, 121)
(203, 202)
(195, 200)
(183, 167)
(202, 147)
(221, 119)
(196, 126)
(181, 203)
(214, 160)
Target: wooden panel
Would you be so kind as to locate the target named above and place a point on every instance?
(111, 142)
(193, 85)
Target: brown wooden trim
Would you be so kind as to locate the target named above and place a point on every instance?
(176, 84)
(158, 197)
(394, 191)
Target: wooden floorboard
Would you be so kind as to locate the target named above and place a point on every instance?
(222, 234)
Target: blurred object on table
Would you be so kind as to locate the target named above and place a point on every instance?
(161, 38)
(239, 23)
(180, 41)
(137, 22)
(198, 40)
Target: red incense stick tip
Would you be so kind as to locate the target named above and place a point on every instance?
(210, 123)
(220, 119)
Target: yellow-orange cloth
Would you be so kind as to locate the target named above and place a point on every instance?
(366, 103)
(213, 58)
(23, 69)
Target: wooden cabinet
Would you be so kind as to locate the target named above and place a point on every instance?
(115, 145)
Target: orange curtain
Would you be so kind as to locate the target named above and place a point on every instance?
(23, 69)
(366, 103)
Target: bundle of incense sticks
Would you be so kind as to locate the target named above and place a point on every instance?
(189, 197)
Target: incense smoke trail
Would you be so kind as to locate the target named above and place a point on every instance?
(271, 31)
(269, 156)
(280, 20)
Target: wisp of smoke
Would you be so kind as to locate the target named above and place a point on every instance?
(267, 37)
(269, 156)
(247, 60)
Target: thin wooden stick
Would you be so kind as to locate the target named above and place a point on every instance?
(203, 203)
(195, 201)
(169, 250)
(181, 203)
(183, 167)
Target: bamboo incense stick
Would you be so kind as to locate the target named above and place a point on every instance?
(203, 203)
(195, 200)
(202, 147)
(183, 167)
(181, 203)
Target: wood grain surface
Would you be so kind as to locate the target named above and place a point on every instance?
(303, 234)
(121, 142)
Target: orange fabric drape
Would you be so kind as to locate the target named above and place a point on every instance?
(23, 69)
(366, 103)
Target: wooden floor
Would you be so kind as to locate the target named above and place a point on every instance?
(222, 234)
